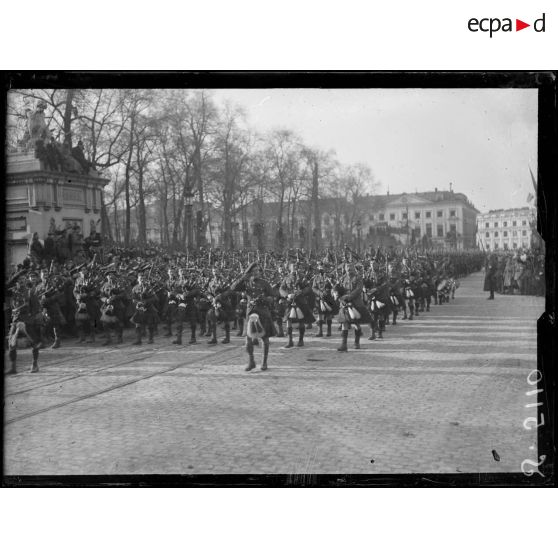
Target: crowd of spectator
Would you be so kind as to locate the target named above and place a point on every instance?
(516, 272)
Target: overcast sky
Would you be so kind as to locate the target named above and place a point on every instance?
(481, 140)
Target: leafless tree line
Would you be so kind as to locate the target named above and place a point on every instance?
(182, 153)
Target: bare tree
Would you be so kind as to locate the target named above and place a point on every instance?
(347, 191)
(134, 107)
(178, 148)
(229, 174)
(201, 115)
(283, 155)
(320, 167)
(186, 121)
(61, 111)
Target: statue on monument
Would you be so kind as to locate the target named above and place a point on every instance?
(36, 124)
(79, 156)
(69, 163)
(55, 156)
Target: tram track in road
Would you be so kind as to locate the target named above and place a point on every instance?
(219, 357)
(113, 387)
(100, 352)
(143, 353)
(138, 356)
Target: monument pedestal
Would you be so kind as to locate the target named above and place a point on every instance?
(35, 196)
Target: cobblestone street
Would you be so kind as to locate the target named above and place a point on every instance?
(437, 395)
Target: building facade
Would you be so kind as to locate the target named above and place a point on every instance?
(443, 219)
(438, 218)
(505, 229)
(38, 200)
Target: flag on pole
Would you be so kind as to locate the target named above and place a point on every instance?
(533, 221)
(535, 186)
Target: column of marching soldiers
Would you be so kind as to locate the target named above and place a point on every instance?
(333, 293)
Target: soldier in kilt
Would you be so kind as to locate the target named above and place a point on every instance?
(145, 315)
(240, 312)
(443, 289)
(352, 310)
(259, 323)
(27, 318)
(379, 305)
(87, 309)
(203, 304)
(185, 294)
(417, 291)
(67, 301)
(308, 279)
(408, 299)
(113, 309)
(297, 291)
(51, 297)
(278, 309)
(169, 303)
(427, 287)
(221, 311)
(161, 294)
(325, 303)
(395, 297)
(436, 279)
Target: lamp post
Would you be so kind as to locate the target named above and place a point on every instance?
(407, 225)
(302, 235)
(189, 219)
(236, 234)
(359, 229)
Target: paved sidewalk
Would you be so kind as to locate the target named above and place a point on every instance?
(437, 395)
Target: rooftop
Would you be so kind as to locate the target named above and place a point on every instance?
(375, 201)
(509, 210)
(433, 196)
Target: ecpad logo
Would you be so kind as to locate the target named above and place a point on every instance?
(493, 25)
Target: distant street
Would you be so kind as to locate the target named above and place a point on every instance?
(437, 395)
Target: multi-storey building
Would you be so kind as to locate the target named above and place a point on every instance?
(505, 229)
(438, 218)
(443, 218)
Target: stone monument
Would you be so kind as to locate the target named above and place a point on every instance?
(49, 186)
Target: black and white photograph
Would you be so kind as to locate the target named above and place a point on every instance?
(287, 284)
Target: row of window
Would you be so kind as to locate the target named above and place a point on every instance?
(439, 230)
(506, 246)
(327, 220)
(519, 215)
(428, 230)
(505, 233)
(505, 224)
(404, 215)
